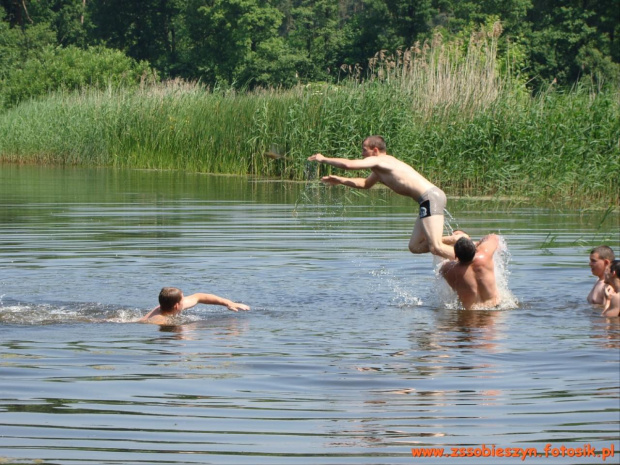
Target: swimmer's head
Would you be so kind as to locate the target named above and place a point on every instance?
(169, 297)
(465, 250)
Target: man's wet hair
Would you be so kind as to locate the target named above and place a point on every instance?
(465, 250)
(169, 297)
(377, 142)
(604, 252)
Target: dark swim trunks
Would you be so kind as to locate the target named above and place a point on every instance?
(432, 202)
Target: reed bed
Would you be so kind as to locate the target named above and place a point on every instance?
(452, 111)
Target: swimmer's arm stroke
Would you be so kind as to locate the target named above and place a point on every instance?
(212, 299)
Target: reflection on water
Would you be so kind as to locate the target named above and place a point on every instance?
(352, 352)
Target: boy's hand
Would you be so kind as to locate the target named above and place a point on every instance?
(235, 307)
(316, 157)
(332, 180)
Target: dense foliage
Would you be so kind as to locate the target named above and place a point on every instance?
(280, 43)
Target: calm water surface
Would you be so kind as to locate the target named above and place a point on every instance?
(353, 352)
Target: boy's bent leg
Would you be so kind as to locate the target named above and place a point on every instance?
(433, 230)
(418, 242)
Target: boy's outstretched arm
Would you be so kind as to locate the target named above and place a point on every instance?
(345, 163)
(212, 299)
(358, 183)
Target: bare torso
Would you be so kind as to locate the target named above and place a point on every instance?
(400, 177)
(597, 294)
(473, 282)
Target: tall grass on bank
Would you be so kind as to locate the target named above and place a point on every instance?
(447, 109)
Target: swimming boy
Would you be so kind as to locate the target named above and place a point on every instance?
(172, 302)
(404, 180)
(600, 259)
(472, 275)
(612, 278)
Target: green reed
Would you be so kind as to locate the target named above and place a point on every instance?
(447, 109)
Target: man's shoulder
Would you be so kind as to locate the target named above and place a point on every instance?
(454, 270)
(447, 265)
(389, 159)
(156, 319)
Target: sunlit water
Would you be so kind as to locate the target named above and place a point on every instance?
(354, 351)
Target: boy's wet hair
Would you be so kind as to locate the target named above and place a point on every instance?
(614, 268)
(604, 252)
(377, 142)
(169, 297)
(465, 250)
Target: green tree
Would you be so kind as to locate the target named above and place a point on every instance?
(231, 37)
(457, 15)
(378, 25)
(314, 32)
(71, 68)
(17, 45)
(65, 17)
(144, 30)
(566, 42)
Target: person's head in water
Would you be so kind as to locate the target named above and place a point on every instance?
(465, 250)
(169, 298)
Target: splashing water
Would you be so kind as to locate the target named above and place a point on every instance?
(402, 294)
(448, 220)
(49, 314)
(501, 259)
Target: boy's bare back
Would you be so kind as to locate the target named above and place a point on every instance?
(474, 282)
(400, 177)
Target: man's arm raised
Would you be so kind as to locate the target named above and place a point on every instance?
(488, 245)
(212, 299)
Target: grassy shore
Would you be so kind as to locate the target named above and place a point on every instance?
(447, 109)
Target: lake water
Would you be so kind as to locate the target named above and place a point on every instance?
(353, 352)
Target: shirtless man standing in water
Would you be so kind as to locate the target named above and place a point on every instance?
(404, 180)
(472, 275)
(600, 259)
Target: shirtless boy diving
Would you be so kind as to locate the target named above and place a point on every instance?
(404, 180)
